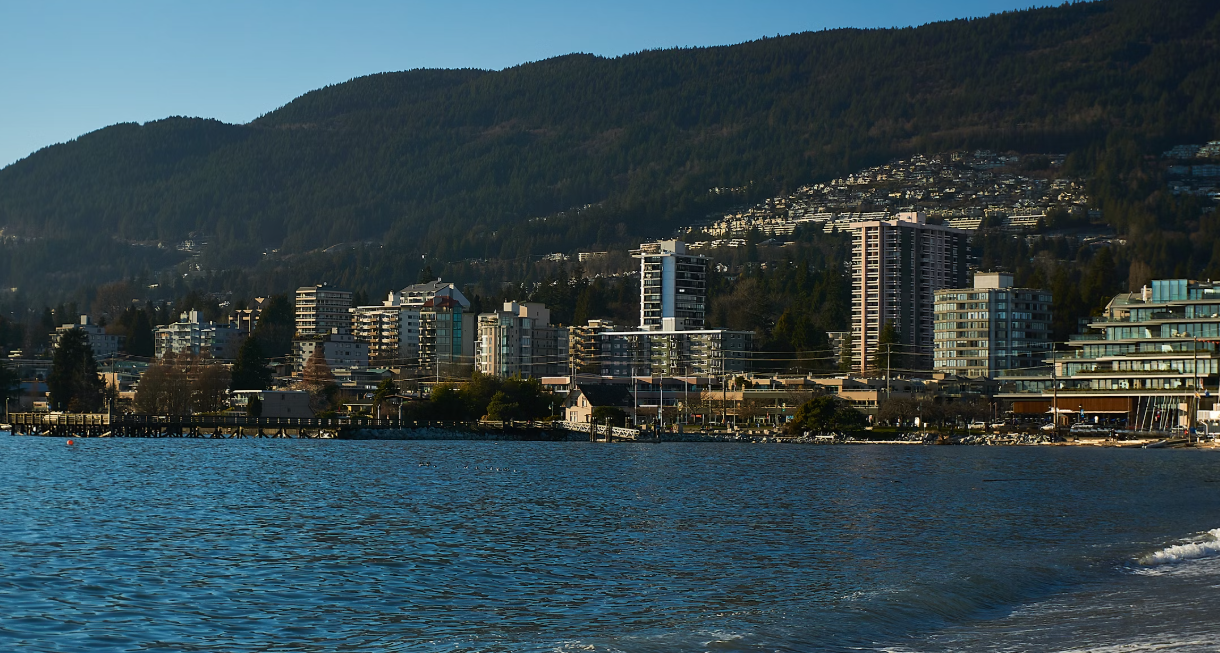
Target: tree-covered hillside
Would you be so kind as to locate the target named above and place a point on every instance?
(589, 152)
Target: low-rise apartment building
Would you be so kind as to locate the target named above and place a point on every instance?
(104, 345)
(339, 349)
(1147, 363)
(991, 327)
(192, 335)
(520, 341)
(706, 352)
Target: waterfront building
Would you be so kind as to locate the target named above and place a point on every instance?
(340, 350)
(446, 335)
(991, 327)
(192, 335)
(673, 287)
(706, 352)
(380, 327)
(519, 340)
(104, 345)
(274, 403)
(122, 376)
(584, 398)
(1148, 362)
(320, 309)
(392, 329)
(585, 346)
(897, 266)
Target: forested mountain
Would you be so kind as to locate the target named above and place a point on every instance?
(579, 151)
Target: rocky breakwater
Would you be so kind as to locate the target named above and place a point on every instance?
(539, 432)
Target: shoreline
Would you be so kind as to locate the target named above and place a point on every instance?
(541, 433)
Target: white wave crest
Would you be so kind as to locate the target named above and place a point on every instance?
(1205, 545)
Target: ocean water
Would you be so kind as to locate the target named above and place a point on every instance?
(314, 545)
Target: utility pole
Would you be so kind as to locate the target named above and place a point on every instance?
(1054, 393)
(661, 397)
(686, 400)
(724, 399)
(888, 349)
(1190, 418)
(635, 397)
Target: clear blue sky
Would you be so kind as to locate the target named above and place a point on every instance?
(71, 67)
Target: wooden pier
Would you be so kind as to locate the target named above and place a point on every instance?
(94, 425)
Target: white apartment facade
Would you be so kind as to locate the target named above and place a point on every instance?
(380, 327)
(321, 309)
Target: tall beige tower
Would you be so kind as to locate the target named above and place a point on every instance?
(897, 266)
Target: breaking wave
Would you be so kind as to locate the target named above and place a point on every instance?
(1204, 546)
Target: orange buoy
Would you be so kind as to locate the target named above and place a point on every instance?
(70, 443)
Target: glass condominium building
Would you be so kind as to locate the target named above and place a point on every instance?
(991, 327)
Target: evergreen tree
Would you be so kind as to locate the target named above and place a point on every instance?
(825, 413)
(73, 381)
(385, 390)
(9, 383)
(889, 345)
(276, 326)
(255, 407)
(140, 340)
(250, 371)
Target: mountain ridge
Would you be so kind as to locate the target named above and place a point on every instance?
(439, 165)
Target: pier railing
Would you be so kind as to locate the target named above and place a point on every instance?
(205, 426)
(103, 419)
(595, 430)
(226, 426)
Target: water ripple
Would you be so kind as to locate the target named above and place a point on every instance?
(256, 545)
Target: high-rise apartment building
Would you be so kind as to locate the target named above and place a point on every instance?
(991, 327)
(320, 309)
(446, 335)
(673, 287)
(520, 341)
(897, 266)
